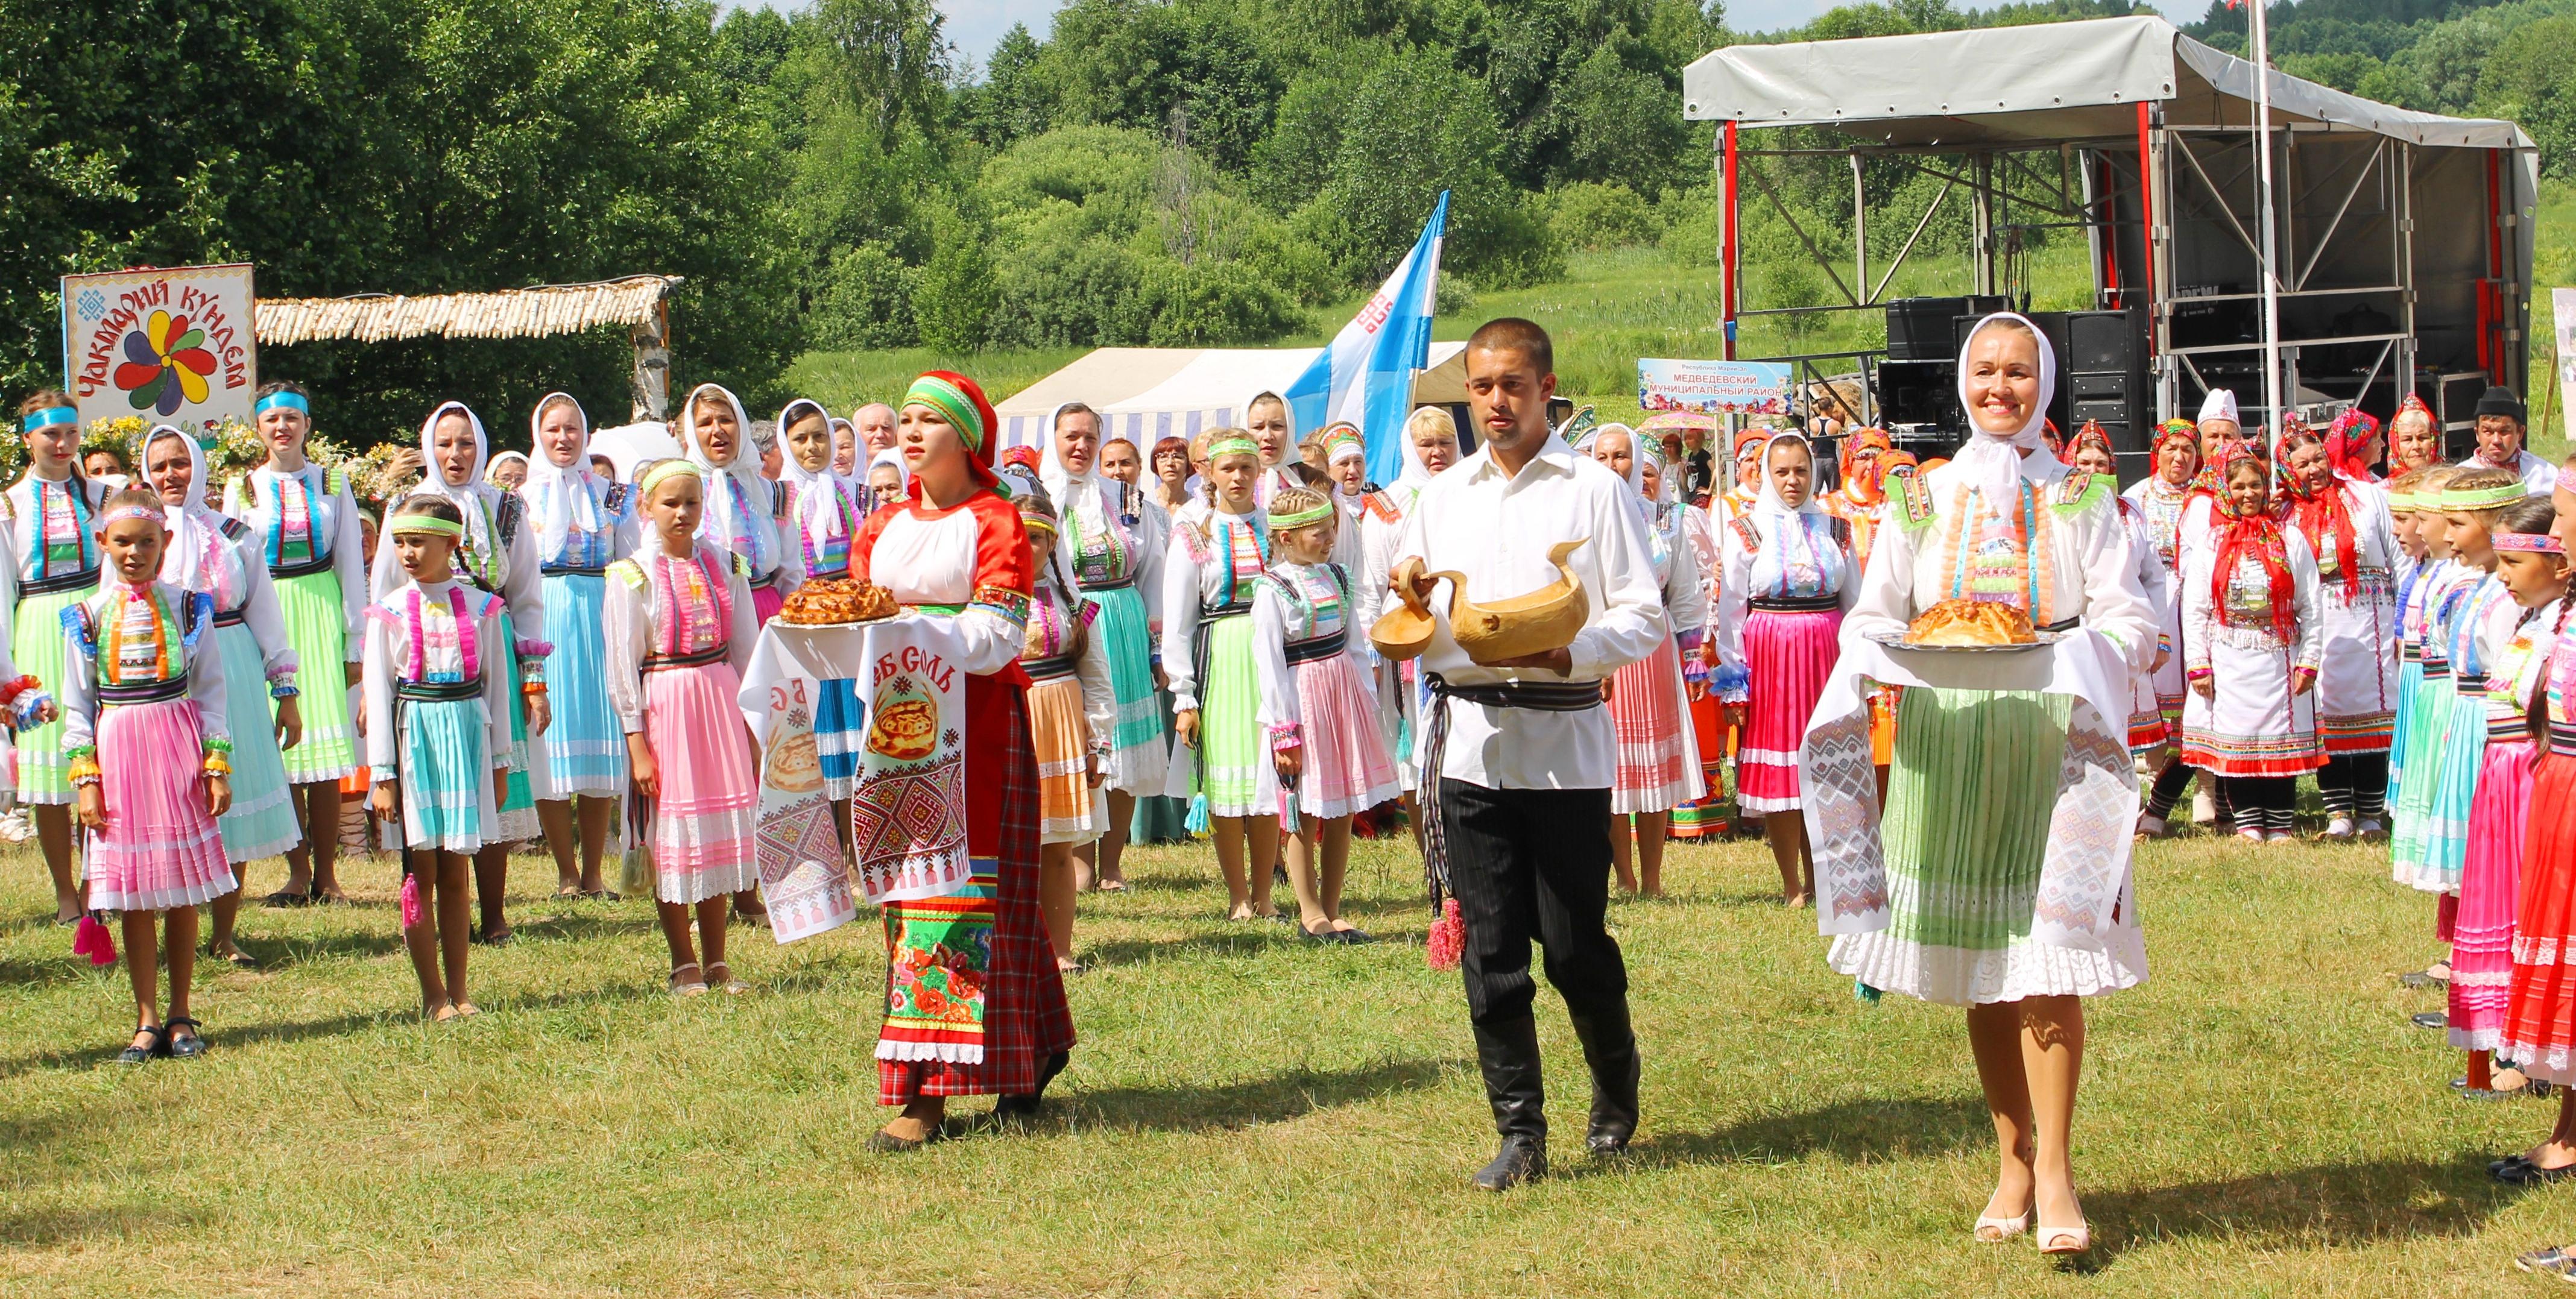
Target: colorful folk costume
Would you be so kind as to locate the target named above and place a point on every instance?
(143, 714)
(1381, 531)
(2348, 442)
(679, 633)
(1209, 572)
(1073, 705)
(1109, 546)
(220, 558)
(2147, 731)
(1788, 583)
(438, 691)
(51, 530)
(2517, 648)
(497, 555)
(824, 514)
(2466, 625)
(2000, 870)
(2423, 843)
(744, 514)
(306, 527)
(1860, 501)
(1315, 696)
(2540, 1008)
(583, 524)
(2157, 507)
(981, 940)
(2348, 524)
(2251, 621)
(2416, 576)
(1659, 767)
(1705, 816)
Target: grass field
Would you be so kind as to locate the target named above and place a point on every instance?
(1246, 1115)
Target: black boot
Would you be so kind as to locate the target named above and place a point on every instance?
(1508, 1055)
(1610, 1051)
(1027, 1107)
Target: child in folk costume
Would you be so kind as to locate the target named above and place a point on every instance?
(1788, 583)
(144, 734)
(49, 516)
(744, 514)
(1659, 767)
(1346, 464)
(438, 681)
(956, 550)
(2459, 621)
(2415, 564)
(1073, 712)
(2089, 452)
(304, 518)
(2347, 522)
(2540, 1008)
(219, 558)
(583, 523)
(1111, 546)
(824, 513)
(1209, 574)
(2157, 503)
(2532, 565)
(2445, 580)
(496, 554)
(679, 632)
(1318, 710)
(2253, 632)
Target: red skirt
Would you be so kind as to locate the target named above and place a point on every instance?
(2482, 928)
(1789, 656)
(2540, 1012)
(1025, 1017)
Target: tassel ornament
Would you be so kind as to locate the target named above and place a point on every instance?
(91, 939)
(1446, 945)
(410, 900)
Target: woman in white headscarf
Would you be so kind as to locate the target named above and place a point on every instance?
(824, 512)
(1658, 758)
(743, 511)
(583, 523)
(1430, 447)
(1998, 877)
(888, 480)
(1107, 546)
(222, 558)
(1786, 584)
(1273, 426)
(498, 554)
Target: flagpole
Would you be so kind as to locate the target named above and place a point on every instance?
(2270, 268)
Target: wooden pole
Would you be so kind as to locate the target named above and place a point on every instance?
(651, 383)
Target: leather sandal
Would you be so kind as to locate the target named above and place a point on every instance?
(728, 985)
(681, 987)
(2065, 1240)
(183, 1048)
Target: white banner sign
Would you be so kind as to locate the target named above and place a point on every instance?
(172, 346)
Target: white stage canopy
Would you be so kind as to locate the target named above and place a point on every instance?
(1146, 394)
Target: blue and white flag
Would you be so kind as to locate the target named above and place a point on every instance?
(1366, 376)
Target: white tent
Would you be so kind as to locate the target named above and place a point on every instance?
(1148, 393)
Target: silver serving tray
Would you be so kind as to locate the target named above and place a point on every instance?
(1896, 640)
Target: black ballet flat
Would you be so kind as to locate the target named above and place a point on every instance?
(184, 1048)
(2531, 1174)
(160, 1035)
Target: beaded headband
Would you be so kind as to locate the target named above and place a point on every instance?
(2482, 498)
(2401, 502)
(282, 400)
(47, 418)
(2527, 543)
(1321, 511)
(428, 525)
(661, 469)
(1232, 446)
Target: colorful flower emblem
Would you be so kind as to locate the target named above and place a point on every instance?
(166, 364)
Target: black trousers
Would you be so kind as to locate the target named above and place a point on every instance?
(2261, 802)
(2355, 785)
(1533, 864)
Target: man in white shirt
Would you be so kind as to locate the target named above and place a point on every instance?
(1519, 756)
(2500, 443)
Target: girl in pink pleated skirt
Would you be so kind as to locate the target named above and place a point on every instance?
(143, 703)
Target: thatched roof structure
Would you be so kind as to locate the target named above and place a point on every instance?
(511, 313)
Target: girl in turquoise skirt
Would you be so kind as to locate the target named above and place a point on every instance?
(305, 522)
(1208, 574)
(54, 564)
(497, 555)
(219, 557)
(583, 523)
(824, 511)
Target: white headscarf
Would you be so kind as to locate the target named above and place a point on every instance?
(1414, 475)
(194, 529)
(560, 498)
(733, 491)
(1274, 477)
(520, 456)
(469, 497)
(1767, 500)
(1991, 462)
(889, 456)
(1052, 473)
(815, 522)
(1636, 475)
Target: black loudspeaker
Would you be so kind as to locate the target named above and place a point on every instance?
(2099, 341)
(1919, 392)
(1921, 329)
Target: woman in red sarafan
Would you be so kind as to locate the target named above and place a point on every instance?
(955, 545)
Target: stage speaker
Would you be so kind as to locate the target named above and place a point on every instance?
(1920, 329)
(1919, 392)
(2099, 341)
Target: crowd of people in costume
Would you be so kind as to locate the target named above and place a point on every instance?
(1171, 640)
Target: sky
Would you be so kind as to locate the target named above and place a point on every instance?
(977, 25)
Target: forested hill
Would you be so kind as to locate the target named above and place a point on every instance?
(1167, 172)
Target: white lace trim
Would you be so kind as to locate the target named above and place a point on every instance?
(1958, 976)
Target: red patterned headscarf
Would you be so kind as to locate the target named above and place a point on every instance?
(1865, 484)
(2325, 513)
(2257, 534)
(2346, 442)
(2177, 428)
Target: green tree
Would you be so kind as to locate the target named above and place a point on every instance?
(1015, 100)
(1158, 67)
(2529, 80)
(957, 296)
(890, 60)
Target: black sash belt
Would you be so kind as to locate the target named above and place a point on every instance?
(232, 619)
(150, 692)
(1318, 648)
(1049, 669)
(438, 691)
(1537, 696)
(1116, 584)
(82, 580)
(300, 568)
(674, 662)
(1796, 603)
(571, 570)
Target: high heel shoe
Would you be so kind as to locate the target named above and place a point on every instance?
(2004, 1229)
(2065, 1240)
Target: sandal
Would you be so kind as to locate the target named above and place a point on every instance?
(568, 892)
(2065, 1240)
(885, 1142)
(183, 1048)
(696, 987)
(728, 985)
(603, 895)
(160, 1035)
(1112, 886)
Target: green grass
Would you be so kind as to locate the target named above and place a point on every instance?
(1245, 1115)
